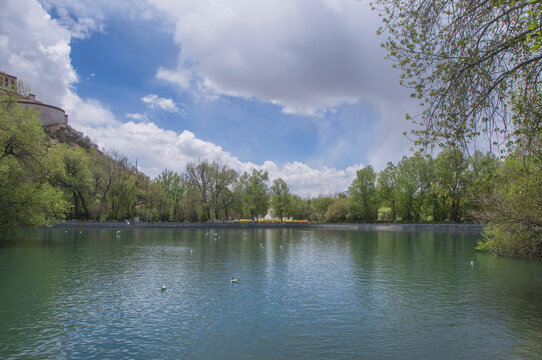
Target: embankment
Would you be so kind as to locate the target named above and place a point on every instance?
(356, 227)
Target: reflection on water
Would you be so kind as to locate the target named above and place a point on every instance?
(301, 294)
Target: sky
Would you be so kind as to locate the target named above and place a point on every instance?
(299, 88)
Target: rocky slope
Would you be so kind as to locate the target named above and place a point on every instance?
(66, 134)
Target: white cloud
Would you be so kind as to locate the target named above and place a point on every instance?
(304, 65)
(81, 28)
(153, 101)
(87, 114)
(98, 9)
(138, 117)
(36, 49)
(157, 149)
(306, 56)
(180, 77)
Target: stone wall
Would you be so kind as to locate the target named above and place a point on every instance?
(473, 228)
(50, 115)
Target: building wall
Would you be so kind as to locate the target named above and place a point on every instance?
(50, 115)
(7, 80)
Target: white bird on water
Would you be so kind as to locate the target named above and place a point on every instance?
(472, 263)
(163, 287)
(234, 280)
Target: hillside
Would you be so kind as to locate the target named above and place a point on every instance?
(61, 133)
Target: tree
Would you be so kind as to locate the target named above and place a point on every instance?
(122, 197)
(280, 198)
(27, 197)
(338, 211)
(475, 66)
(465, 61)
(411, 186)
(252, 189)
(362, 195)
(450, 171)
(386, 184)
(319, 207)
(174, 189)
(512, 206)
(222, 178)
(298, 208)
(74, 178)
(107, 168)
(481, 173)
(406, 189)
(212, 182)
(199, 178)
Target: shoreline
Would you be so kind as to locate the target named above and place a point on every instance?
(353, 227)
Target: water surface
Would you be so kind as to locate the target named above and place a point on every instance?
(304, 294)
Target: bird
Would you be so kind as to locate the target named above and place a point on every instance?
(472, 263)
(163, 287)
(234, 281)
(118, 231)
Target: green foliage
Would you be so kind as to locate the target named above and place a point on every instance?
(280, 201)
(464, 60)
(319, 206)
(475, 67)
(513, 206)
(362, 195)
(212, 185)
(386, 183)
(251, 190)
(122, 197)
(338, 211)
(450, 169)
(73, 177)
(174, 190)
(411, 186)
(299, 208)
(27, 196)
(385, 214)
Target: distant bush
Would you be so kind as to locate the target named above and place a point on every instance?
(385, 214)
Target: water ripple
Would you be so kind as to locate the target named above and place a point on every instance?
(301, 294)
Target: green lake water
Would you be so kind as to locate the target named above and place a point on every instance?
(302, 294)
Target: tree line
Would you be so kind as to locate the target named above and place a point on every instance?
(41, 181)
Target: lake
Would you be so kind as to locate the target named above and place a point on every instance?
(302, 294)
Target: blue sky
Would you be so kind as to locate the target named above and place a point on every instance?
(299, 88)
